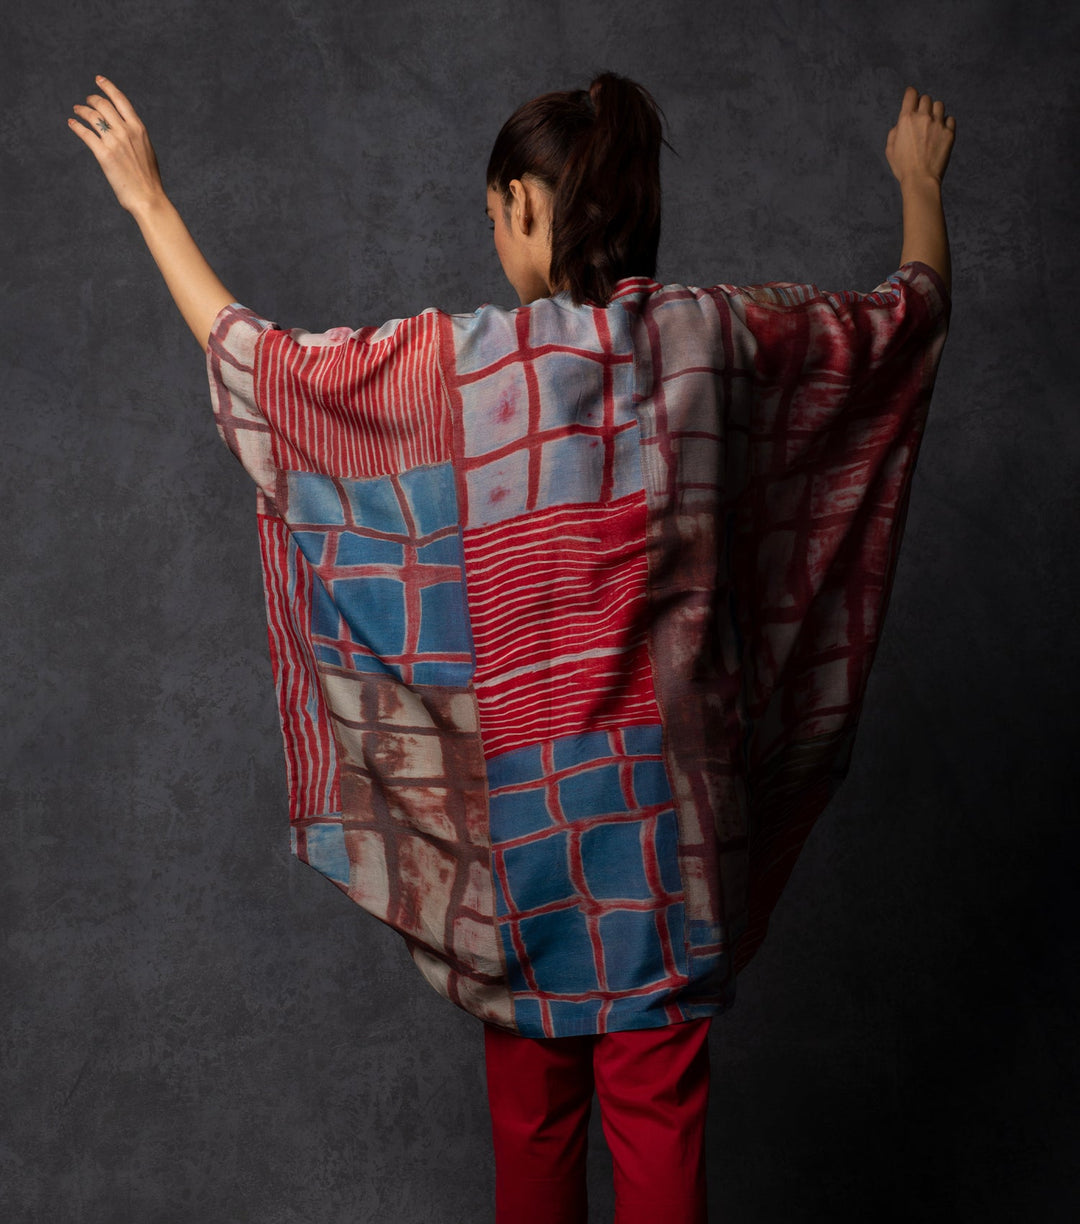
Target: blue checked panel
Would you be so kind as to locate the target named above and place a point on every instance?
(589, 898)
(386, 551)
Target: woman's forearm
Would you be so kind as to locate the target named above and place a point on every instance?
(925, 236)
(190, 279)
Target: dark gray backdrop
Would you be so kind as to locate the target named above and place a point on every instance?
(199, 1029)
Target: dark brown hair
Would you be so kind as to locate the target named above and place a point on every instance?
(597, 150)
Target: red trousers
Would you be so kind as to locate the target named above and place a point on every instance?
(653, 1089)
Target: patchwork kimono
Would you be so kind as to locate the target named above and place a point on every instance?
(571, 612)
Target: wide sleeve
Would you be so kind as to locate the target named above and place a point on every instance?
(820, 464)
(825, 352)
(310, 416)
(345, 403)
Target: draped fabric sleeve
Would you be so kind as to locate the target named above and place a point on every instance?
(348, 403)
(820, 468)
(311, 416)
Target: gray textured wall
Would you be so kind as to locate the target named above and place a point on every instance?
(197, 1028)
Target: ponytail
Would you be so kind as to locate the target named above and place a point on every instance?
(598, 152)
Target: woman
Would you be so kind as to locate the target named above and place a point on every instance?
(572, 608)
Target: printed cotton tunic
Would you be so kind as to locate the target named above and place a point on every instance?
(571, 613)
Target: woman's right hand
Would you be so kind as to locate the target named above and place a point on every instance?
(122, 147)
(920, 143)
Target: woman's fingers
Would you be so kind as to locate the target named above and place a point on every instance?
(100, 113)
(85, 134)
(98, 121)
(104, 107)
(115, 110)
(119, 100)
(914, 102)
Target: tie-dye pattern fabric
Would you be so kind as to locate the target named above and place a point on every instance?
(571, 613)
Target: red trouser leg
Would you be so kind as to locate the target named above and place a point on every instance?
(540, 1094)
(653, 1088)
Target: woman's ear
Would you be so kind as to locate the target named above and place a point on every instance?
(519, 205)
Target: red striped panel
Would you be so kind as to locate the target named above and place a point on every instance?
(358, 406)
(558, 604)
(310, 756)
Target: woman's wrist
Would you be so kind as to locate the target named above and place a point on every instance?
(150, 206)
(920, 182)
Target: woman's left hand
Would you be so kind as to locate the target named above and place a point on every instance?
(121, 145)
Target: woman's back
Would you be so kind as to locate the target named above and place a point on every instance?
(570, 654)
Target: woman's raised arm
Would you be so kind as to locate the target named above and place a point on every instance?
(122, 147)
(918, 150)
